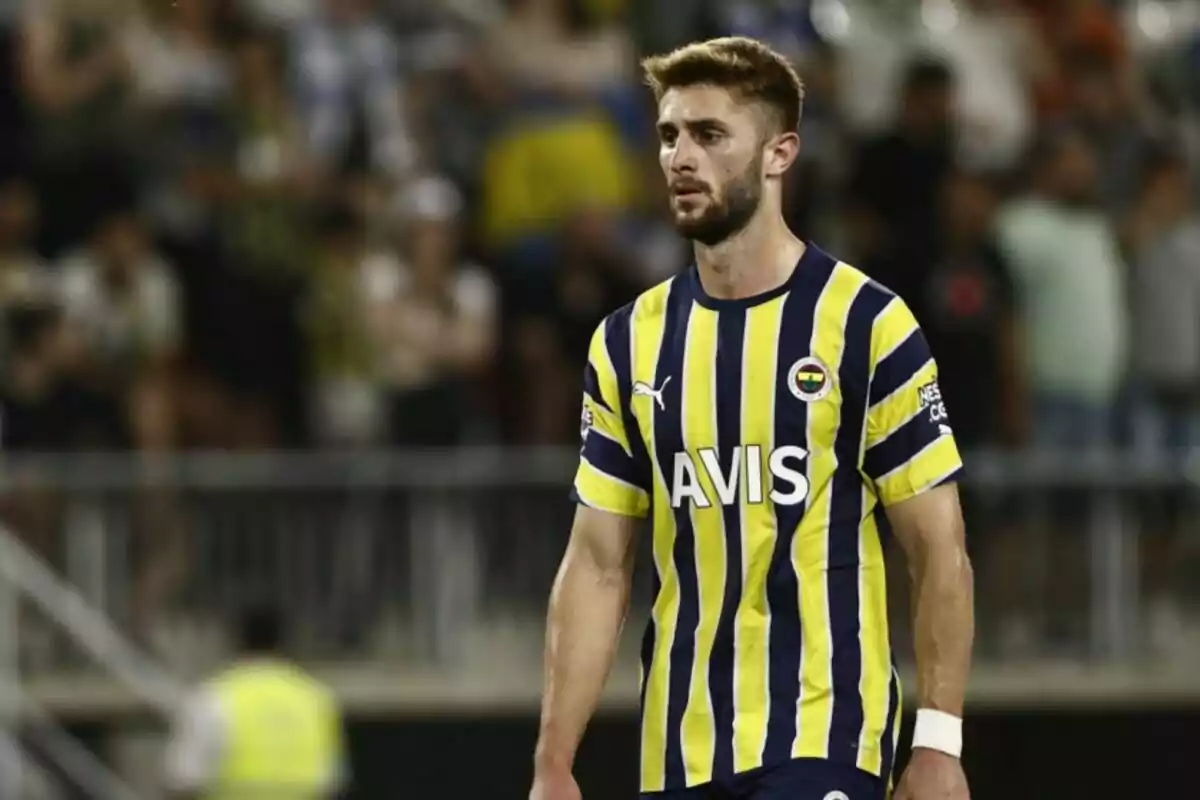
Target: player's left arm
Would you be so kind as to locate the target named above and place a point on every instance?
(929, 528)
(912, 459)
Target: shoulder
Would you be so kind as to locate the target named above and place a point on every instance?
(615, 334)
(867, 287)
(318, 692)
(876, 313)
(1023, 218)
(857, 297)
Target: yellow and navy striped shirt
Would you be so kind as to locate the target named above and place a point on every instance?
(764, 437)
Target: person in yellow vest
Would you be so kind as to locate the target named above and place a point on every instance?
(262, 729)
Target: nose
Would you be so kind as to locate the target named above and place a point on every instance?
(683, 156)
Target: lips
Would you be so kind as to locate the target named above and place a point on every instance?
(686, 190)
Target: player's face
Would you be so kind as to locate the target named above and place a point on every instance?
(711, 151)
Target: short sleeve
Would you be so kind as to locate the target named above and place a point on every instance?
(909, 445)
(160, 311)
(613, 474)
(193, 754)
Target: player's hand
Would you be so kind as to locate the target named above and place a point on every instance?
(556, 785)
(932, 775)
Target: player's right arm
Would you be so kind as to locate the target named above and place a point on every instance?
(591, 592)
(587, 612)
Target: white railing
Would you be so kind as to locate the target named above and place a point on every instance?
(427, 564)
(24, 578)
(27, 575)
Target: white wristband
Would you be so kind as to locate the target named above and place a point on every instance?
(937, 730)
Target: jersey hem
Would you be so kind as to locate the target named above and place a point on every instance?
(841, 761)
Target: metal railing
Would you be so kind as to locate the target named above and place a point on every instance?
(35, 752)
(431, 563)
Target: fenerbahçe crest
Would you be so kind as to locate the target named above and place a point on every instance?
(809, 379)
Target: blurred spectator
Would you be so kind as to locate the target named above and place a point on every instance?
(77, 82)
(875, 44)
(281, 13)
(23, 275)
(266, 187)
(1072, 30)
(1164, 239)
(349, 91)
(244, 269)
(1107, 114)
(812, 187)
(547, 45)
(261, 727)
(399, 342)
(46, 408)
(786, 25)
(122, 299)
(553, 326)
(437, 318)
(896, 178)
(659, 26)
(1070, 289)
(12, 107)
(348, 394)
(966, 309)
(246, 284)
(560, 150)
(177, 57)
(995, 56)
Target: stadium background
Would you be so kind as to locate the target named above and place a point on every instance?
(296, 295)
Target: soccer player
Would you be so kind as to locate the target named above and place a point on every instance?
(776, 414)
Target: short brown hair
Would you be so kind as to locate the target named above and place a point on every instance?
(743, 65)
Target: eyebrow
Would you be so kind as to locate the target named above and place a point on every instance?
(704, 123)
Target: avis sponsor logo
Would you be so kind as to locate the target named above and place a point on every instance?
(782, 478)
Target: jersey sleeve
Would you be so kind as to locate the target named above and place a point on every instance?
(909, 446)
(613, 474)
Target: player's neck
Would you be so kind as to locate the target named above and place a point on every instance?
(756, 259)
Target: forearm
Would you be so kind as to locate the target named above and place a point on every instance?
(587, 612)
(944, 626)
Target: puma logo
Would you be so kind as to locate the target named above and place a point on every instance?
(646, 390)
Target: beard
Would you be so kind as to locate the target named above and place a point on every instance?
(720, 220)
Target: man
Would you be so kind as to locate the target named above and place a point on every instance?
(774, 412)
(262, 729)
(896, 177)
(1071, 278)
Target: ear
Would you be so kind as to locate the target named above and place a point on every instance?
(780, 153)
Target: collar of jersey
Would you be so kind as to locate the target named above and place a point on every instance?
(805, 266)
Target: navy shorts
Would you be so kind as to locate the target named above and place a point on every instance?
(802, 779)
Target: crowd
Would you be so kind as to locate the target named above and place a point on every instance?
(263, 224)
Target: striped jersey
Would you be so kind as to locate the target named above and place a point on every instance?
(764, 437)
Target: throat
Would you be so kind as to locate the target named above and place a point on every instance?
(739, 273)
